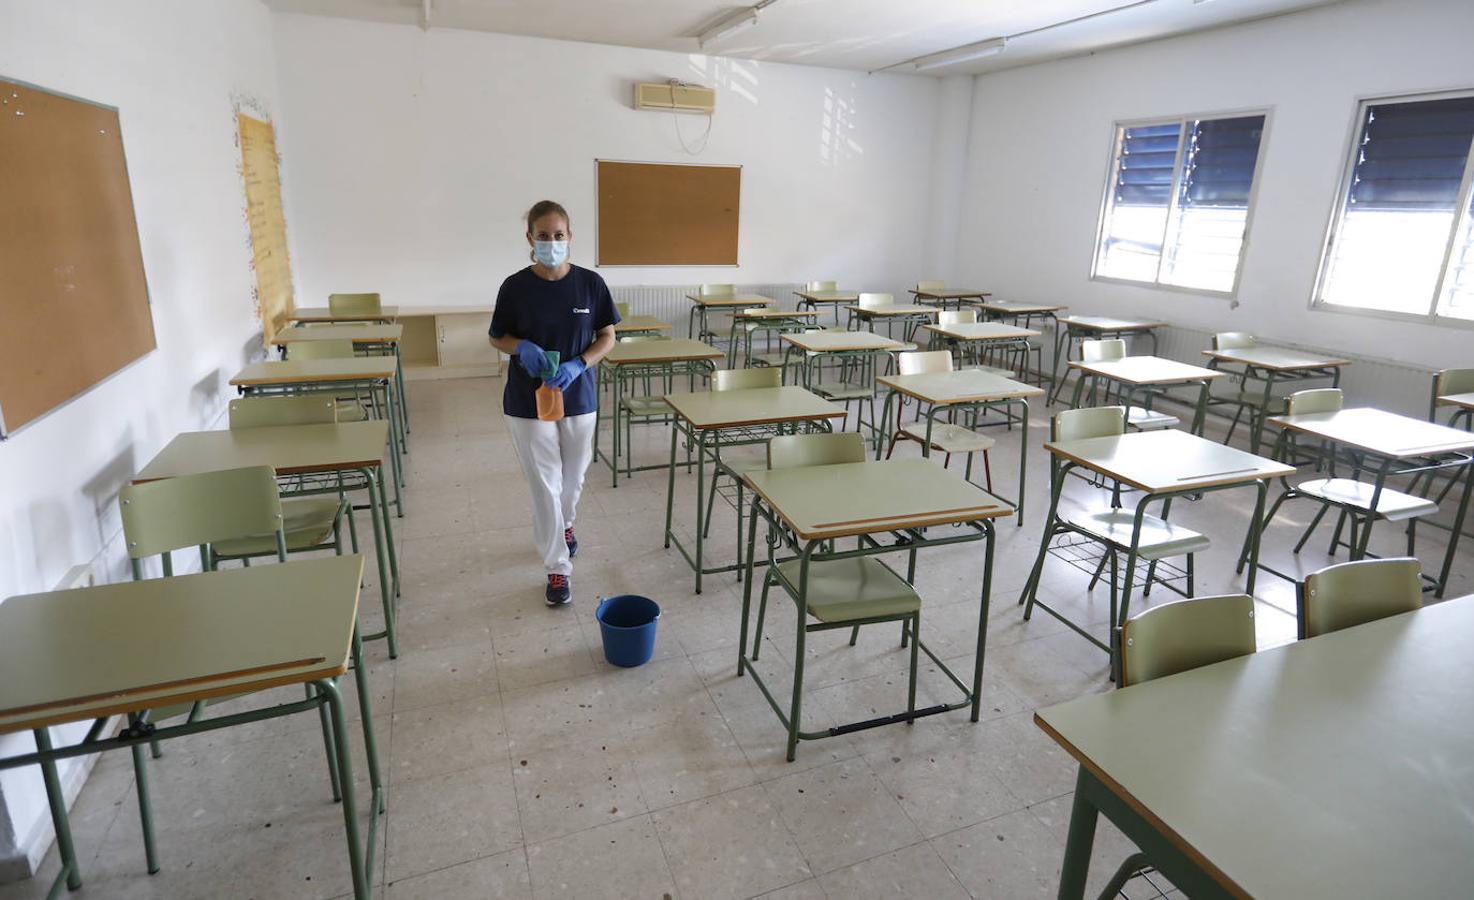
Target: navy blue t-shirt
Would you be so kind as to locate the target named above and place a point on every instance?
(561, 315)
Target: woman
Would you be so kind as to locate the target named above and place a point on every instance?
(553, 305)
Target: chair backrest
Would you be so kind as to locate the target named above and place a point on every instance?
(1186, 634)
(822, 286)
(1233, 340)
(1351, 593)
(1102, 351)
(1453, 381)
(918, 362)
(1319, 400)
(190, 510)
(957, 316)
(930, 285)
(745, 379)
(334, 349)
(622, 307)
(354, 304)
(869, 300)
(718, 290)
(299, 409)
(1090, 422)
(791, 451)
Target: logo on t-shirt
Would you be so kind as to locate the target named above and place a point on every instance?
(586, 310)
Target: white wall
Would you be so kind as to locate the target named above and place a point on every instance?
(175, 70)
(414, 154)
(1041, 136)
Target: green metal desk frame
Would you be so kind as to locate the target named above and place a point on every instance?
(809, 366)
(1270, 377)
(621, 374)
(1120, 610)
(1125, 392)
(1382, 467)
(1025, 319)
(973, 409)
(768, 325)
(708, 443)
(1071, 333)
(378, 348)
(908, 541)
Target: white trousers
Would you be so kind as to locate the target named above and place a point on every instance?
(554, 457)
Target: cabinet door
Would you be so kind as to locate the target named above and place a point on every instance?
(463, 340)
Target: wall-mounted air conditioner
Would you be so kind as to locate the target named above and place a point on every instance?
(675, 96)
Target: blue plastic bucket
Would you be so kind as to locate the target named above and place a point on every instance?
(627, 623)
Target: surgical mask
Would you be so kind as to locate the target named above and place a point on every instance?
(550, 254)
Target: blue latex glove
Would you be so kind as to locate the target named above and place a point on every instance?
(530, 357)
(567, 373)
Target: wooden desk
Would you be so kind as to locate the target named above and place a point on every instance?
(641, 325)
(1162, 465)
(835, 299)
(1464, 411)
(347, 447)
(370, 375)
(90, 653)
(713, 419)
(382, 339)
(910, 315)
(1082, 328)
(1134, 373)
(1269, 365)
(805, 507)
(656, 359)
(697, 326)
(324, 314)
(855, 352)
(977, 341)
(966, 390)
(1399, 445)
(956, 296)
(1007, 309)
(1327, 768)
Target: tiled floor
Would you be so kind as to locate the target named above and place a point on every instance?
(521, 764)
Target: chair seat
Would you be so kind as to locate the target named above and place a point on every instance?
(1145, 419)
(844, 590)
(646, 406)
(949, 438)
(1394, 506)
(839, 391)
(308, 522)
(1159, 539)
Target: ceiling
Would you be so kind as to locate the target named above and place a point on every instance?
(867, 35)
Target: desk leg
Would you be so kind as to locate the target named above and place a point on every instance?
(357, 863)
(1031, 587)
(1256, 532)
(1453, 537)
(983, 603)
(1360, 550)
(618, 398)
(58, 802)
(700, 501)
(670, 481)
(1023, 457)
(1201, 413)
(399, 381)
(1258, 416)
(366, 713)
(1079, 842)
(386, 588)
(1061, 352)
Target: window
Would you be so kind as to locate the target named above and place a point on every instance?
(1402, 237)
(1177, 202)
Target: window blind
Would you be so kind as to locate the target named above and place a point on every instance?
(1412, 155)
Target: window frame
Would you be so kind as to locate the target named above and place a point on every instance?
(1118, 126)
(1338, 211)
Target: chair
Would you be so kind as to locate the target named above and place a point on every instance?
(815, 287)
(298, 409)
(930, 286)
(648, 407)
(1352, 593)
(1452, 381)
(715, 324)
(1350, 496)
(367, 305)
(737, 380)
(1112, 527)
(205, 511)
(1176, 637)
(1243, 398)
(957, 316)
(946, 437)
(351, 407)
(839, 593)
(1141, 418)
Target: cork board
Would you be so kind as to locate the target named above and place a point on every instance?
(267, 224)
(658, 214)
(73, 298)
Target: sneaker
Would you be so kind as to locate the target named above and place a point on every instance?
(571, 541)
(559, 592)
